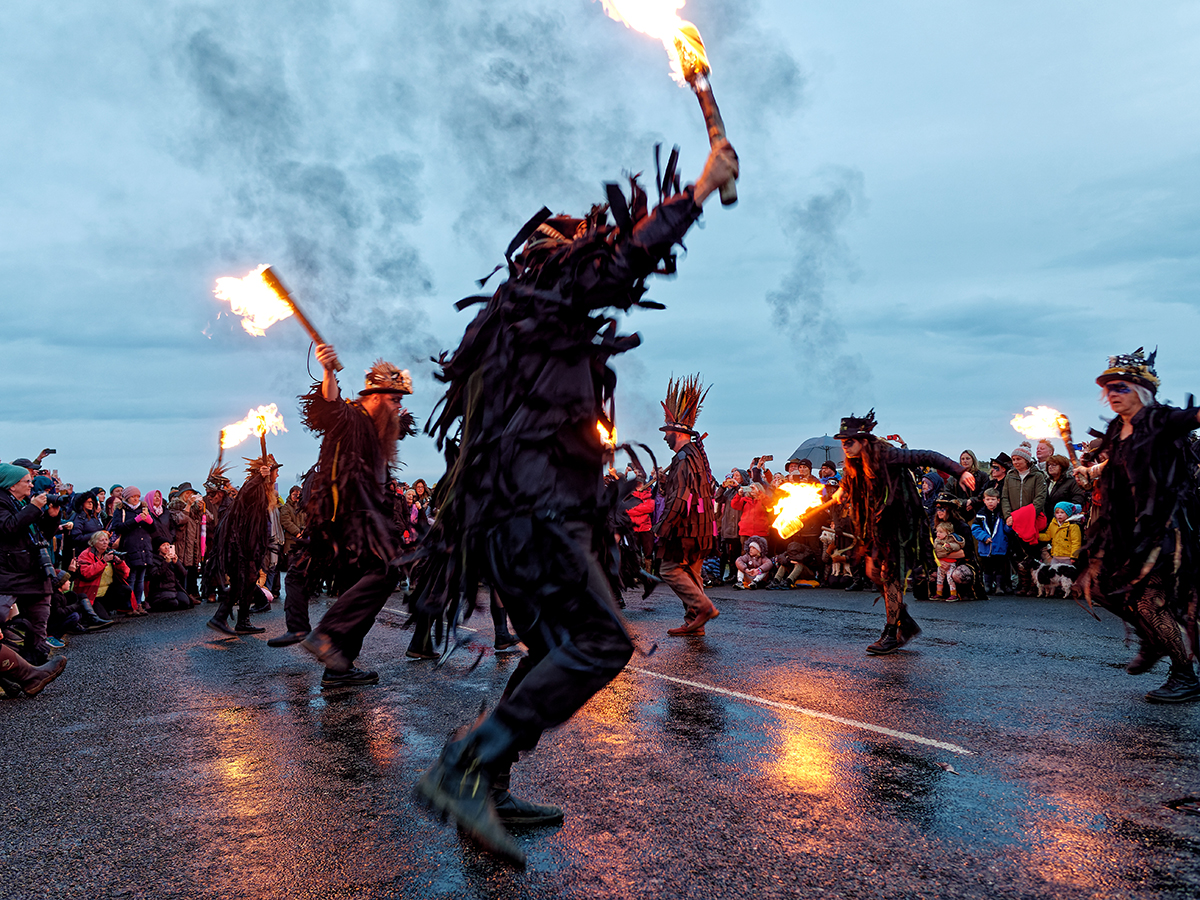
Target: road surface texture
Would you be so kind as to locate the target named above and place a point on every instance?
(1005, 753)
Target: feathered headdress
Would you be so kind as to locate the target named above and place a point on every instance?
(684, 399)
(216, 480)
(253, 465)
(1134, 367)
(384, 378)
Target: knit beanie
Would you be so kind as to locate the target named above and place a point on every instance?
(1025, 451)
(1067, 505)
(10, 474)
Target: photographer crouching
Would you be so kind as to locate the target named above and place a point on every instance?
(26, 526)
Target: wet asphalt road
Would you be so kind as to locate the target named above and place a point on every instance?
(168, 762)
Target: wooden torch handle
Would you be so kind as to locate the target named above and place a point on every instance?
(716, 131)
(276, 285)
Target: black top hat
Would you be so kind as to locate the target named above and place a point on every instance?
(854, 427)
(1135, 367)
(1003, 459)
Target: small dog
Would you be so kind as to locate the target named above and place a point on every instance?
(1055, 572)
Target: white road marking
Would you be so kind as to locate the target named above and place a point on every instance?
(812, 713)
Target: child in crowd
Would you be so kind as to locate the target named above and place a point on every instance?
(991, 536)
(1066, 538)
(754, 566)
(948, 547)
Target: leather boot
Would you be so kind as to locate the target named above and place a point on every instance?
(888, 642)
(31, 679)
(459, 786)
(1147, 656)
(1181, 686)
(421, 645)
(514, 811)
(90, 619)
(907, 628)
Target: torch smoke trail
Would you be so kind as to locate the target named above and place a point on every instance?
(801, 304)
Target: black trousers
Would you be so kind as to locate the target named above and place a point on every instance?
(577, 644)
(240, 593)
(298, 592)
(353, 613)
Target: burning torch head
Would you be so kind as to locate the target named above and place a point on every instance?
(384, 378)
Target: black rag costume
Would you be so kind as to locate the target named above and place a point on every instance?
(244, 545)
(521, 505)
(884, 503)
(687, 532)
(349, 534)
(1140, 553)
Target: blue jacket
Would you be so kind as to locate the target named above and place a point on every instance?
(990, 526)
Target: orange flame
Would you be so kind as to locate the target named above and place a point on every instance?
(789, 509)
(258, 421)
(660, 19)
(254, 300)
(607, 438)
(1041, 423)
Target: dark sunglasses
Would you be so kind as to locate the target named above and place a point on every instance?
(1118, 387)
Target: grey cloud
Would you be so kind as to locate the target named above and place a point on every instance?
(802, 304)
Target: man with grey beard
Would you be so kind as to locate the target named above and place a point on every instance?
(349, 535)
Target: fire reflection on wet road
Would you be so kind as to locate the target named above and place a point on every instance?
(170, 764)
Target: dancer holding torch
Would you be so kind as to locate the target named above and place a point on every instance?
(1140, 557)
(882, 501)
(520, 505)
(349, 532)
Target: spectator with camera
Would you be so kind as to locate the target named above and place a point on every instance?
(134, 528)
(167, 580)
(26, 525)
(103, 576)
(85, 523)
(187, 514)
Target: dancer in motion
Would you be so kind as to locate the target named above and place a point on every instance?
(247, 538)
(1140, 553)
(687, 532)
(885, 507)
(350, 531)
(520, 504)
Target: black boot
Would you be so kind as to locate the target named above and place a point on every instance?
(89, 618)
(1182, 685)
(855, 585)
(459, 787)
(887, 643)
(244, 626)
(907, 629)
(649, 583)
(421, 645)
(513, 811)
(1147, 656)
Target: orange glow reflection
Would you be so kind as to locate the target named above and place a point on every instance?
(804, 761)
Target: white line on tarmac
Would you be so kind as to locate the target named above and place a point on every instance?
(813, 713)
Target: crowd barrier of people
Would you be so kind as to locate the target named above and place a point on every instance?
(74, 561)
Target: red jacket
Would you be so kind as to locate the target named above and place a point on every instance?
(641, 513)
(91, 568)
(756, 516)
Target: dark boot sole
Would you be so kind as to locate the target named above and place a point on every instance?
(491, 836)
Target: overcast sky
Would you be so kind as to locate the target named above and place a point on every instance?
(948, 210)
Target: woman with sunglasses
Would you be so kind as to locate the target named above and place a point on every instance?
(1141, 554)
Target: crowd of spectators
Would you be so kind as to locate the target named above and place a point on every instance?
(74, 561)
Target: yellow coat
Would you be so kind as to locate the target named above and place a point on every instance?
(1065, 540)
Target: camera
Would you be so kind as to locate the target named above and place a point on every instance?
(118, 553)
(58, 500)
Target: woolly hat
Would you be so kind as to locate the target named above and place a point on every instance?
(10, 474)
(1067, 505)
(1025, 451)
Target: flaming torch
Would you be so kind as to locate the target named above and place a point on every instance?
(789, 509)
(258, 421)
(608, 436)
(1042, 423)
(689, 61)
(261, 300)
